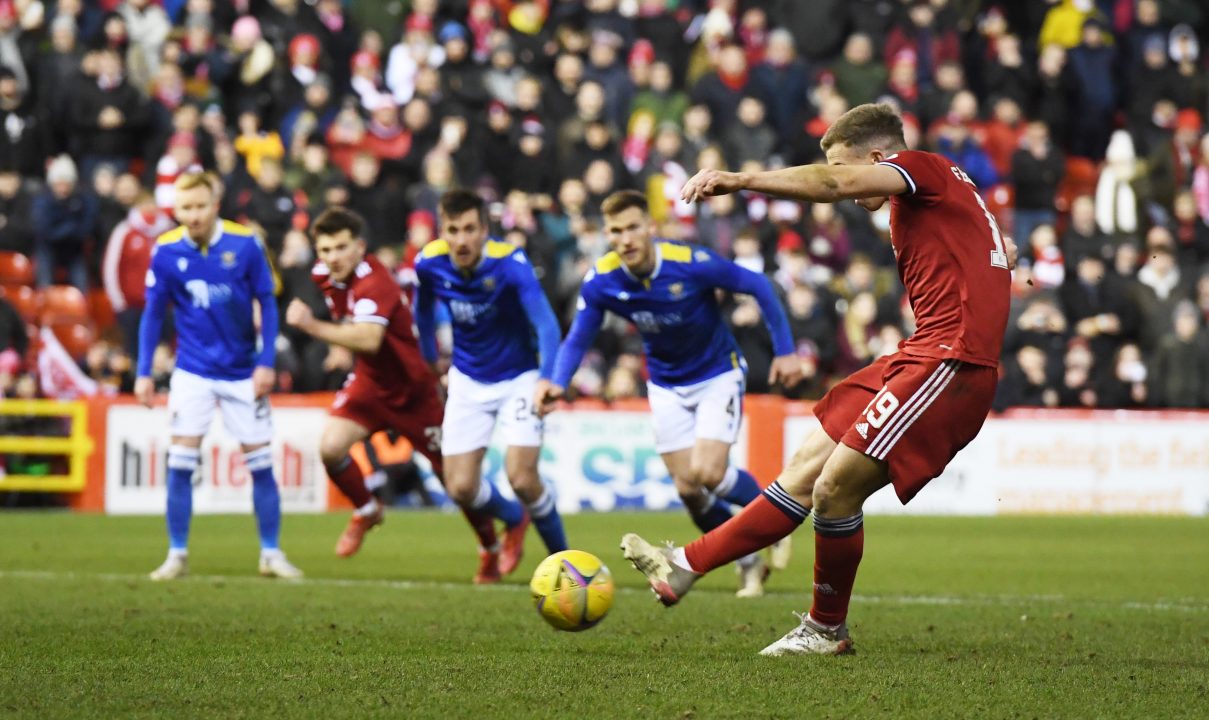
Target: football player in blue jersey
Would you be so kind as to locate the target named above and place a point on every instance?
(697, 372)
(211, 271)
(505, 337)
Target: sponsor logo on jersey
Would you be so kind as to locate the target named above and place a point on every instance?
(469, 313)
(649, 322)
(205, 294)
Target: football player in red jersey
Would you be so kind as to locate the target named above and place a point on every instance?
(391, 386)
(898, 421)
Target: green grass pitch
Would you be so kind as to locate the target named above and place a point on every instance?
(954, 618)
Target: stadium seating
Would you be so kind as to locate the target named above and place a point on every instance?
(24, 299)
(15, 269)
(76, 337)
(100, 310)
(1080, 179)
(63, 304)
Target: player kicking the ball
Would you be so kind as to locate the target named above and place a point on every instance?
(697, 372)
(210, 271)
(903, 418)
(498, 309)
(391, 386)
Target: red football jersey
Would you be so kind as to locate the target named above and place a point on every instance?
(951, 259)
(371, 295)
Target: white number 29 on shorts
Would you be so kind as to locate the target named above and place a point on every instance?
(883, 404)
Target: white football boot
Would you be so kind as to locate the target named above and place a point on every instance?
(811, 638)
(176, 566)
(752, 573)
(668, 580)
(274, 564)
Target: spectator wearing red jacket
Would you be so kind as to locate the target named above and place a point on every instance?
(124, 268)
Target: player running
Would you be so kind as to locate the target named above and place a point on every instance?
(903, 418)
(391, 386)
(697, 372)
(211, 272)
(497, 307)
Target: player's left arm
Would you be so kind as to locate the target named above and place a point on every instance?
(363, 335)
(265, 287)
(537, 307)
(813, 183)
(786, 368)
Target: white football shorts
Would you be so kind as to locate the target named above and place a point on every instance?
(709, 410)
(192, 400)
(473, 408)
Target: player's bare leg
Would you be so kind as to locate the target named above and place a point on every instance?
(710, 468)
(520, 464)
(463, 480)
(847, 479)
(339, 435)
(782, 507)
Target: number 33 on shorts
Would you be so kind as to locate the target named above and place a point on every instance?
(877, 412)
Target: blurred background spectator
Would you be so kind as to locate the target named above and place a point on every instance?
(1083, 124)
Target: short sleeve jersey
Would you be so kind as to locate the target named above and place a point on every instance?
(951, 259)
(371, 295)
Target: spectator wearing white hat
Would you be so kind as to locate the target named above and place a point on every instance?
(64, 216)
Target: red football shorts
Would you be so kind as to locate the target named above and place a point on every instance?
(416, 414)
(914, 413)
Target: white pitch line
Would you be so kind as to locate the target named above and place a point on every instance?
(1188, 605)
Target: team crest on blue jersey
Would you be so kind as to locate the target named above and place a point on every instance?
(181, 264)
(228, 259)
(488, 283)
(676, 289)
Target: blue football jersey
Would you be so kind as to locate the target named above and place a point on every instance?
(502, 322)
(211, 293)
(675, 311)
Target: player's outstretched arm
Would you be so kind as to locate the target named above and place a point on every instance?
(570, 354)
(358, 336)
(813, 183)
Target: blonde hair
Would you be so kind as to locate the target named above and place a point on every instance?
(191, 180)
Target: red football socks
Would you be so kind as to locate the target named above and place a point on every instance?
(347, 476)
(765, 520)
(838, 547)
(483, 525)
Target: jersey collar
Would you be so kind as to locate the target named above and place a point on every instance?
(213, 238)
(654, 271)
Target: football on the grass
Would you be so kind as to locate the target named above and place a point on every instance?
(572, 589)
